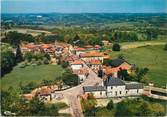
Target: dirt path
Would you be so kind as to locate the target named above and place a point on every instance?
(139, 44)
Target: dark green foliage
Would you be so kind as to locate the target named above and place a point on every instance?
(165, 48)
(29, 87)
(107, 62)
(116, 47)
(7, 59)
(100, 73)
(151, 34)
(140, 73)
(64, 64)
(19, 56)
(47, 56)
(119, 36)
(50, 38)
(110, 105)
(139, 107)
(12, 102)
(70, 79)
(88, 104)
(46, 82)
(37, 58)
(14, 38)
(123, 74)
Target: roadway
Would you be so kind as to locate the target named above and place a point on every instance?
(73, 94)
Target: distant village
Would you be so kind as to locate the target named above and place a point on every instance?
(81, 60)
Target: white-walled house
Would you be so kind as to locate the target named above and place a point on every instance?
(92, 55)
(134, 88)
(80, 50)
(83, 74)
(114, 87)
(97, 91)
(76, 65)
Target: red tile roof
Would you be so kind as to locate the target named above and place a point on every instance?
(95, 62)
(44, 91)
(97, 46)
(88, 46)
(77, 62)
(80, 49)
(92, 54)
(109, 70)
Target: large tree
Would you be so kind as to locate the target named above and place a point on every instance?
(7, 58)
(116, 47)
(19, 55)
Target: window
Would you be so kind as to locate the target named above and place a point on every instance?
(120, 92)
(100, 93)
(137, 91)
(116, 93)
(111, 87)
(126, 92)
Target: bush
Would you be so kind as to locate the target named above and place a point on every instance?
(165, 48)
(45, 61)
(116, 47)
(110, 105)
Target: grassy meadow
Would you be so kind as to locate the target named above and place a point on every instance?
(30, 74)
(152, 57)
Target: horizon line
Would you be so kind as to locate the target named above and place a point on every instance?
(85, 13)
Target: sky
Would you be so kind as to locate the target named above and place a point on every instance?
(84, 6)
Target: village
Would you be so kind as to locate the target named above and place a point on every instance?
(94, 77)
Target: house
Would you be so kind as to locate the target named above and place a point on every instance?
(83, 74)
(76, 65)
(117, 65)
(106, 43)
(97, 47)
(95, 64)
(89, 47)
(97, 91)
(119, 62)
(114, 87)
(133, 88)
(44, 94)
(80, 50)
(92, 55)
(109, 71)
(71, 58)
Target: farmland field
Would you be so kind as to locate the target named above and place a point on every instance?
(29, 74)
(152, 57)
(29, 31)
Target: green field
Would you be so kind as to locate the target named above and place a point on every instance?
(29, 74)
(152, 57)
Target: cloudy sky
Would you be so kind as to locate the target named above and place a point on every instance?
(83, 6)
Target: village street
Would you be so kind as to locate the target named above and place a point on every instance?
(73, 94)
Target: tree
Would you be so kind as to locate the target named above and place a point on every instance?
(89, 103)
(140, 73)
(7, 58)
(28, 56)
(110, 105)
(19, 56)
(64, 64)
(116, 47)
(123, 74)
(70, 79)
(107, 62)
(165, 48)
(14, 38)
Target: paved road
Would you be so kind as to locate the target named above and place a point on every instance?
(72, 94)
